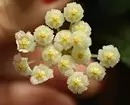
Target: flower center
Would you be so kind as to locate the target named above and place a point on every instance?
(21, 66)
(76, 82)
(74, 11)
(55, 19)
(42, 36)
(80, 56)
(64, 63)
(24, 42)
(40, 75)
(96, 71)
(109, 56)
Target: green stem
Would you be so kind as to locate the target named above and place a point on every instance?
(58, 29)
(94, 55)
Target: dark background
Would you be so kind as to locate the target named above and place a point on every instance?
(110, 22)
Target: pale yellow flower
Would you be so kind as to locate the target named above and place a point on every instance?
(73, 12)
(78, 83)
(109, 56)
(54, 18)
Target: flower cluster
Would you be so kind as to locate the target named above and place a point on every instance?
(66, 48)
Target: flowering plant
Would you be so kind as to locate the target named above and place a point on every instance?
(66, 48)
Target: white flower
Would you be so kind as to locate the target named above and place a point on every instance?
(81, 40)
(78, 82)
(43, 35)
(63, 39)
(95, 71)
(25, 42)
(109, 56)
(73, 12)
(81, 56)
(54, 18)
(82, 26)
(51, 55)
(21, 65)
(66, 65)
(41, 74)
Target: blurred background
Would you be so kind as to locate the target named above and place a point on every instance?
(110, 22)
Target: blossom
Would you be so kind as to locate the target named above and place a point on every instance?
(54, 18)
(82, 26)
(51, 55)
(78, 82)
(21, 65)
(43, 35)
(81, 40)
(109, 56)
(95, 71)
(41, 74)
(73, 12)
(25, 42)
(64, 39)
(81, 56)
(66, 65)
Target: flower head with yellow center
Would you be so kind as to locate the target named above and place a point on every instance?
(43, 35)
(82, 26)
(40, 74)
(81, 56)
(109, 56)
(78, 82)
(54, 18)
(81, 40)
(66, 65)
(50, 55)
(64, 39)
(21, 65)
(25, 42)
(95, 71)
(73, 12)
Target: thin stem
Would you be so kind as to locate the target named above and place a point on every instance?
(94, 55)
(36, 60)
(58, 29)
(71, 24)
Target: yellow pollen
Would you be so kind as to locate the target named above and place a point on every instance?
(64, 63)
(24, 42)
(109, 55)
(76, 82)
(74, 11)
(96, 71)
(80, 56)
(55, 18)
(51, 54)
(65, 38)
(21, 66)
(42, 36)
(76, 41)
(40, 75)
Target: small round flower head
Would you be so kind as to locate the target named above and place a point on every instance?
(63, 39)
(81, 56)
(78, 82)
(73, 12)
(81, 40)
(54, 18)
(51, 55)
(82, 26)
(66, 65)
(95, 71)
(25, 42)
(109, 56)
(21, 65)
(43, 35)
(41, 74)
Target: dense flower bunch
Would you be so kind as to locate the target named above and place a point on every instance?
(65, 48)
